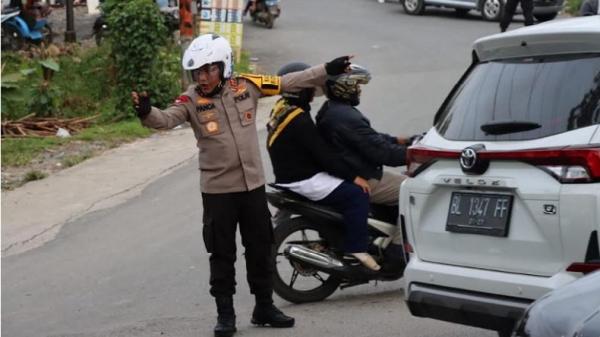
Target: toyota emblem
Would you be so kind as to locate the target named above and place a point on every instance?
(470, 161)
(468, 158)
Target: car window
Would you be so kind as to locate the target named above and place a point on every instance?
(553, 94)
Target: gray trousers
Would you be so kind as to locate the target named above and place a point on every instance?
(387, 190)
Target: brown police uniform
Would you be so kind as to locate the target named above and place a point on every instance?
(232, 178)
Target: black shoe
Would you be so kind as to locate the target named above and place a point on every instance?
(226, 317)
(225, 326)
(268, 314)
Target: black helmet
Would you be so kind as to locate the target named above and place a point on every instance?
(345, 87)
(303, 97)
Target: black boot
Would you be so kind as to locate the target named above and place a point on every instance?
(265, 313)
(226, 320)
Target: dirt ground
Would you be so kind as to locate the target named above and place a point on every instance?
(51, 161)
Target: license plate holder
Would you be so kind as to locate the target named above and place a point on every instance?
(479, 213)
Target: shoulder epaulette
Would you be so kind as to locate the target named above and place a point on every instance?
(268, 85)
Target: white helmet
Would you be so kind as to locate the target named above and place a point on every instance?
(207, 49)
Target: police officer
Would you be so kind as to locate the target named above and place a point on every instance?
(222, 112)
(509, 12)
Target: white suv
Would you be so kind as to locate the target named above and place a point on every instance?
(503, 200)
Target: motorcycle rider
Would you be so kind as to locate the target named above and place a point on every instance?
(251, 6)
(305, 164)
(221, 110)
(361, 147)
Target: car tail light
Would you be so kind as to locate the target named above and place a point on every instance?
(584, 267)
(592, 257)
(566, 164)
(420, 157)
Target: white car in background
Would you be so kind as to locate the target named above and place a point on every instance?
(503, 200)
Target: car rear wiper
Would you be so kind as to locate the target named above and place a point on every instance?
(505, 127)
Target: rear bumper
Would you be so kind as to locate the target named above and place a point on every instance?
(482, 298)
(464, 307)
(539, 9)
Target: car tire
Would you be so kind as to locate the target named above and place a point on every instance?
(545, 17)
(414, 7)
(491, 10)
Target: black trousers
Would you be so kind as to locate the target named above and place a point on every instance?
(509, 12)
(222, 213)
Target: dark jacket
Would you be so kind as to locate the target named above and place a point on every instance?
(362, 148)
(589, 7)
(298, 153)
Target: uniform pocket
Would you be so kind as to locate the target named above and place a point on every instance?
(210, 123)
(247, 112)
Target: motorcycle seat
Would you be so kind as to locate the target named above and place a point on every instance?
(384, 213)
(9, 10)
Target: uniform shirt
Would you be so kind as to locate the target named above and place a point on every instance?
(225, 127)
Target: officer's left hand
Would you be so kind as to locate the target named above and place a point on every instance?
(338, 65)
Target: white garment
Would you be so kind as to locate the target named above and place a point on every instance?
(316, 187)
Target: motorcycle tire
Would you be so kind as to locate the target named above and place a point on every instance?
(11, 38)
(270, 21)
(285, 289)
(47, 35)
(98, 37)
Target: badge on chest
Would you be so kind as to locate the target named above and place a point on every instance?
(208, 116)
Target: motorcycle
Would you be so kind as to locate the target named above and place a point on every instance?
(17, 30)
(309, 263)
(266, 12)
(100, 29)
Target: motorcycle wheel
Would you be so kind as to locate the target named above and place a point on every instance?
(293, 281)
(98, 37)
(11, 38)
(270, 21)
(47, 35)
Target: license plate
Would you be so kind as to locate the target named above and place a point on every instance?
(479, 213)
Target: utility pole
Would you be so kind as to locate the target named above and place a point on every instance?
(70, 35)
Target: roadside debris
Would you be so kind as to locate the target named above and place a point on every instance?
(31, 126)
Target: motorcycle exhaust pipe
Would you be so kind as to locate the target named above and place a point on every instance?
(320, 260)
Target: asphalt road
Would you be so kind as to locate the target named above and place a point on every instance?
(140, 269)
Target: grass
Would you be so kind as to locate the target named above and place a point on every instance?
(74, 160)
(34, 175)
(87, 92)
(21, 151)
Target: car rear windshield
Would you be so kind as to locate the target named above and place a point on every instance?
(524, 98)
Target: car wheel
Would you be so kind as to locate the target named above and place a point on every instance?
(462, 12)
(491, 10)
(414, 7)
(545, 17)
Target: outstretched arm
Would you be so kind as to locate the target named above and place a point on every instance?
(155, 118)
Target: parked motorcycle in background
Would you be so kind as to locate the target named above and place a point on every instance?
(266, 12)
(20, 27)
(309, 262)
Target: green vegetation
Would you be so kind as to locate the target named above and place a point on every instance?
(76, 159)
(572, 6)
(21, 151)
(69, 81)
(139, 38)
(34, 175)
